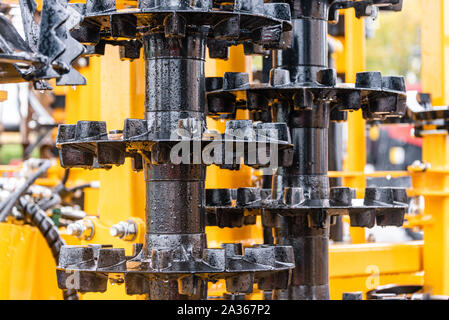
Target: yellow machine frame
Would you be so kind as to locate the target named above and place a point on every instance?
(418, 262)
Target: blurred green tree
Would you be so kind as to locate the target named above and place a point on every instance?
(395, 47)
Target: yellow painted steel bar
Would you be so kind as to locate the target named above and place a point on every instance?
(433, 183)
(353, 259)
(434, 186)
(363, 267)
(366, 283)
(354, 48)
(376, 174)
(435, 49)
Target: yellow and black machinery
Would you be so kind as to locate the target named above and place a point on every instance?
(182, 176)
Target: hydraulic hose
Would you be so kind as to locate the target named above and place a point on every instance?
(46, 204)
(62, 190)
(50, 232)
(8, 204)
(61, 186)
(79, 187)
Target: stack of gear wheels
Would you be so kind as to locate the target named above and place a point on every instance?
(174, 262)
(288, 132)
(303, 93)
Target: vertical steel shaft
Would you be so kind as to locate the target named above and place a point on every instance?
(308, 234)
(175, 90)
(336, 164)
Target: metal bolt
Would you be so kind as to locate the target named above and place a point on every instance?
(72, 213)
(75, 229)
(83, 229)
(116, 231)
(126, 230)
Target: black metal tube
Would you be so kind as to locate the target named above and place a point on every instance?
(306, 55)
(9, 203)
(309, 132)
(310, 279)
(336, 164)
(310, 243)
(175, 81)
(175, 90)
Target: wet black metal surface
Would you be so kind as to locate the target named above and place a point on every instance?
(303, 92)
(174, 261)
(87, 144)
(293, 111)
(48, 50)
(253, 22)
(422, 114)
(335, 163)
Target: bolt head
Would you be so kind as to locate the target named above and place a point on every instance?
(74, 229)
(113, 232)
